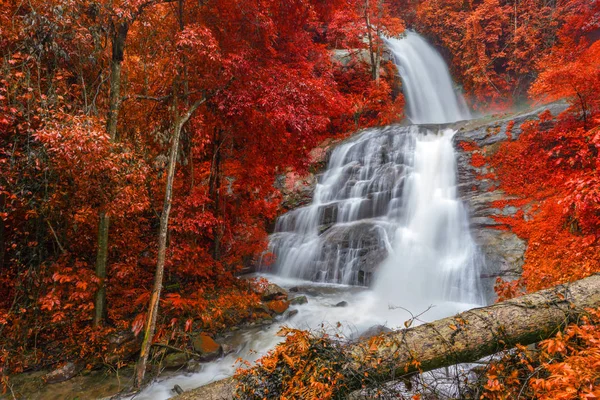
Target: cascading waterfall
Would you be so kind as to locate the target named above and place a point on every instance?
(390, 194)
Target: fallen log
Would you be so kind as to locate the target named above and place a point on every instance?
(484, 331)
(465, 337)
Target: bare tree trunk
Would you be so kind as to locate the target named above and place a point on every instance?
(371, 45)
(214, 187)
(2, 228)
(162, 247)
(118, 48)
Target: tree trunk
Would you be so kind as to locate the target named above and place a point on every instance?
(214, 187)
(162, 247)
(466, 337)
(2, 228)
(101, 258)
(371, 45)
(118, 48)
(481, 332)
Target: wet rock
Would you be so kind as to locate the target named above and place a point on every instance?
(228, 349)
(294, 289)
(278, 306)
(64, 373)
(206, 347)
(342, 304)
(291, 313)
(374, 331)
(177, 389)
(298, 300)
(175, 360)
(274, 291)
(193, 366)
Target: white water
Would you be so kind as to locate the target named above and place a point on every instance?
(426, 82)
(385, 214)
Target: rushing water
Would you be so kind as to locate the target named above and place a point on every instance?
(426, 82)
(385, 214)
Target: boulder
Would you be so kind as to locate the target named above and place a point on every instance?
(193, 366)
(374, 331)
(291, 313)
(342, 304)
(175, 360)
(296, 301)
(273, 292)
(278, 306)
(206, 347)
(64, 373)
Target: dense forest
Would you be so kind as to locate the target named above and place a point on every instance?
(141, 140)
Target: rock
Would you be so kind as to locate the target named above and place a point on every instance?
(64, 373)
(177, 389)
(175, 360)
(273, 292)
(193, 366)
(206, 347)
(298, 300)
(123, 346)
(374, 331)
(291, 313)
(228, 349)
(278, 306)
(295, 289)
(342, 304)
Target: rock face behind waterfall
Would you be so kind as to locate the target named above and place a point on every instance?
(503, 250)
(363, 243)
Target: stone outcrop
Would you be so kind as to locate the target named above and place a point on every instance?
(502, 249)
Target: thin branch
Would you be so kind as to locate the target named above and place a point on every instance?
(62, 249)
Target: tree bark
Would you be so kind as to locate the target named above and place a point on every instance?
(118, 48)
(370, 38)
(162, 247)
(463, 338)
(2, 230)
(481, 332)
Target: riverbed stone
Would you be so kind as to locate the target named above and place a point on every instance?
(206, 347)
(64, 373)
(175, 360)
(374, 331)
(274, 291)
(298, 300)
(278, 306)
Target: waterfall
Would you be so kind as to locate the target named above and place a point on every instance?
(426, 82)
(385, 213)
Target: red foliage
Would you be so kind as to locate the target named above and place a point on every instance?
(497, 46)
(273, 92)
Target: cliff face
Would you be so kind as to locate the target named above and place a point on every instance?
(503, 250)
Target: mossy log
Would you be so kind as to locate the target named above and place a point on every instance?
(484, 331)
